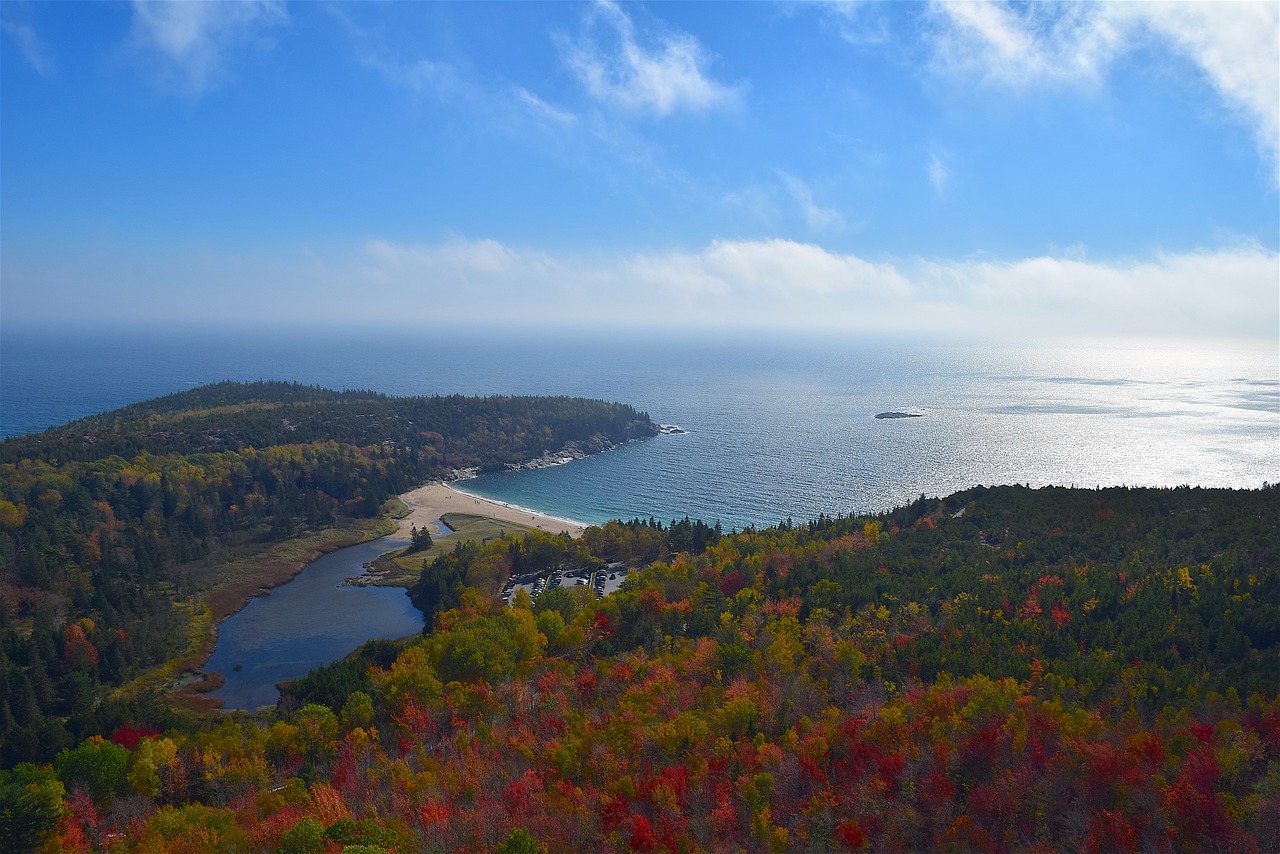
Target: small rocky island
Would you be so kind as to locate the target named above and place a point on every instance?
(900, 415)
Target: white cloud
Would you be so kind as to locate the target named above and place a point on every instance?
(191, 39)
(783, 283)
(749, 284)
(1032, 45)
(657, 80)
(816, 216)
(762, 276)
(32, 47)
(1216, 292)
(1236, 46)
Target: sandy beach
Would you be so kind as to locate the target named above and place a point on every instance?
(428, 503)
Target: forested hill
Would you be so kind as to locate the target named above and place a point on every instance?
(100, 518)
(432, 434)
(1004, 669)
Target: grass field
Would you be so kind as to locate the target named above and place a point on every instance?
(401, 568)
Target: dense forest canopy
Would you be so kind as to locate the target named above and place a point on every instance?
(1004, 669)
(103, 520)
(439, 433)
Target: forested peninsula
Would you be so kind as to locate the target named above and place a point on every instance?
(124, 535)
(1003, 669)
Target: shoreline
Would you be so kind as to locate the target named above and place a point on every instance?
(427, 504)
(193, 683)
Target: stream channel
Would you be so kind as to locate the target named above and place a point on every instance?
(310, 621)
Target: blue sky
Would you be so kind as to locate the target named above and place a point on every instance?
(1032, 168)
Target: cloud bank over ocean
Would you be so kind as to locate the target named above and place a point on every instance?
(730, 284)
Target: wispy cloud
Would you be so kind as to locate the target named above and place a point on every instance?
(420, 76)
(857, 22)
(424, 76)
(499, 104)
(757, 202)
(1035, 44)
(664, 75)
(939, 174)
(542, 109)
(191, 40)
(1236, 46)
(32, 47)
(802, 194)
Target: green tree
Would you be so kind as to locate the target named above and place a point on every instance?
(492, 647)
(357, 711)
(98, 765)
(520, 841)
(317, 730)
(30, 806)
(305, 837)
(421, 538)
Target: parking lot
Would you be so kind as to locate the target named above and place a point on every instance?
(602, 582)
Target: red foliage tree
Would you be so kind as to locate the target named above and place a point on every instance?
(130, 736)
(1110, 831)
(642, 837)
(78, 653)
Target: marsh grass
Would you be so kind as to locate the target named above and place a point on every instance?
(401, 568)
(228, 581)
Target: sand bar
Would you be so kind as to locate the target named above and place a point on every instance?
(428, 503)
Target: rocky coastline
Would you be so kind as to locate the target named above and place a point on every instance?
(575, 450)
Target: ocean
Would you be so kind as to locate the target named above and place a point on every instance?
(777, 426)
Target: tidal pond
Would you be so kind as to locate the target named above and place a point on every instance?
(310, 621)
